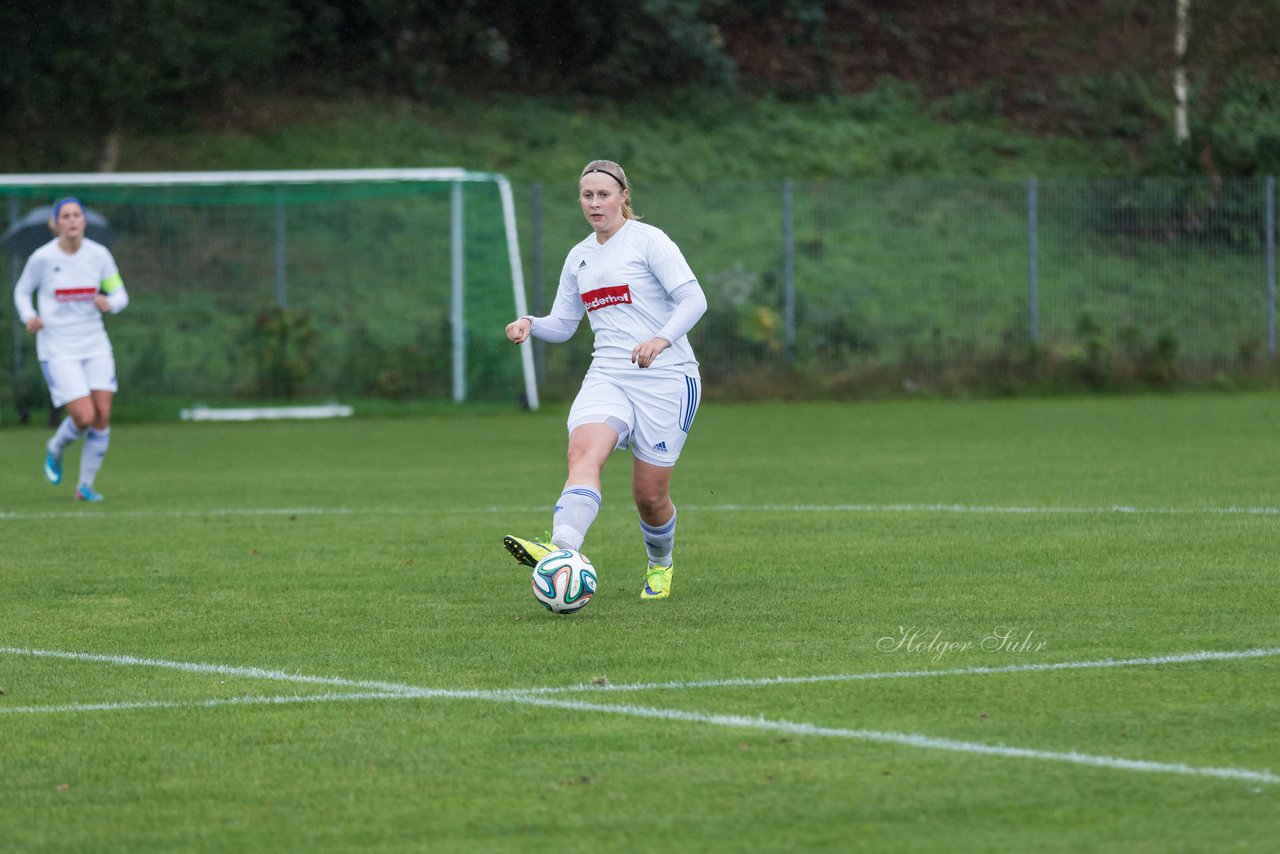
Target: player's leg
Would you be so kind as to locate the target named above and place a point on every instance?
(651, 488)
(590, 445)
(68, 388)
(599, 422)
(665, 407)
(97, 438)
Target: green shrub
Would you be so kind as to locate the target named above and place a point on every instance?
(279, 347)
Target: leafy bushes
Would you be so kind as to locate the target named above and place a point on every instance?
(1245, 133)
(279, 347)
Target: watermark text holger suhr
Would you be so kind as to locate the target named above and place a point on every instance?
(935, 644)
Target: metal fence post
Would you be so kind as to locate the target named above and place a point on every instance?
(1271, 265)
(1033, 249)
(17, 322)
(457, 311)
(280, 253)
(539, 302)
(789, 270)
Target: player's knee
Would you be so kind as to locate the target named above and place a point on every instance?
(585, 455)
(584, 468)
(651, 501)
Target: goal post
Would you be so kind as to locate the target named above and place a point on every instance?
(313, 283)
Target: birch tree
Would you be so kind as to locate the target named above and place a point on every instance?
(1181, 130)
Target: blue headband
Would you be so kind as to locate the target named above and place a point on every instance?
(57, 207)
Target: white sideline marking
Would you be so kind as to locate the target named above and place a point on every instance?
(742, 682)
(1114, 509)
(913, 740)
(386, 690)
(13, 516)
(982, 508)
(261, 413)
(205, 704)
(216, 669)
(730, 721)
(739, 682)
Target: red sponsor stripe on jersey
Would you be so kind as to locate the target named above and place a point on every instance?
(605, 297)
(75, 294)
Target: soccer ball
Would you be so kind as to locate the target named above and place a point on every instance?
(564, 581)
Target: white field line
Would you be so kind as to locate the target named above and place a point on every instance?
(1101, 510)
(131, 705)
(219, 670)
(729, 721)
(910, 740)
(1187, 658)
(384, 690)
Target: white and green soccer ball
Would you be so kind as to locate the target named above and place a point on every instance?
(564, 581)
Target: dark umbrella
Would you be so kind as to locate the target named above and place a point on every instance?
(32, 231)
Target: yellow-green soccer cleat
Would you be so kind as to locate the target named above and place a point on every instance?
(529, 552)
(657, 583)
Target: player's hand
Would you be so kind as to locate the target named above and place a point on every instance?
(644, 354)
(518, 330)
(103, 304)
(35, 324)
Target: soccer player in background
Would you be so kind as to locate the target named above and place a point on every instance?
(642, 389)
(75, 281)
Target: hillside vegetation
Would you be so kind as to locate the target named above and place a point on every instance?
(925, 86)
(908, 273)
(891, 129)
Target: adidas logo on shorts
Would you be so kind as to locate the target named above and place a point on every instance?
(661, 446)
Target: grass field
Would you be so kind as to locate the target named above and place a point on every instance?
(1043, 624)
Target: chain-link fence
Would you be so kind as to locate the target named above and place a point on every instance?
(846, 287)
(815, 288)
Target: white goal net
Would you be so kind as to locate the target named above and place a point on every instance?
(297, 285)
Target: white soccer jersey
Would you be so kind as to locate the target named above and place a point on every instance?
(624, 287)
(64, 287)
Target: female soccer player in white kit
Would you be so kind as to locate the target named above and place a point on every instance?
(75, 281)
(642, 389)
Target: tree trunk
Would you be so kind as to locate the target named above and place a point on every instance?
(1181, 130)
(109, 156)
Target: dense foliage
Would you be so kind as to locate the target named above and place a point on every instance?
(73, 76)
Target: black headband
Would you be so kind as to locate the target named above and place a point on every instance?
(605, 172)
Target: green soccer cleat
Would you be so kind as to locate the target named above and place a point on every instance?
(529, 552)
(657, 583)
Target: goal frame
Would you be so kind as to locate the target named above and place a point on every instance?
(455, 177)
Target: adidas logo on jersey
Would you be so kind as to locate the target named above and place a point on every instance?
(661, 446)
(583, 264)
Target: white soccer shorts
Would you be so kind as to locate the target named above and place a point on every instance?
(651, 410)
(72, 379)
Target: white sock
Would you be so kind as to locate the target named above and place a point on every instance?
(66, 433)
(95, 448)
(575, 511)
(659, 541)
